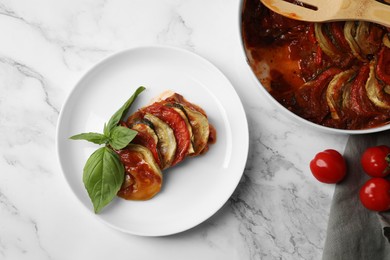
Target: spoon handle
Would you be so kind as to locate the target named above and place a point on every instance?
(367, 10)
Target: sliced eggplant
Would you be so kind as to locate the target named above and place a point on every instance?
(369, 38)
(376, 90)
(145, 127)
(200, 128)
(166, 140)
(180, 110)
(198, 120)
(350, 33)
(147, 137)
(335, 92)
(178, 125)
(364, 38)
(143, 177)
(325, 42)
(346, 98)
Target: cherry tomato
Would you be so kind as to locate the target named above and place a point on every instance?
(375, 194)
(328, 166)
(375, 161)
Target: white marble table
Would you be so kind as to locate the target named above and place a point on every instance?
(278, 211)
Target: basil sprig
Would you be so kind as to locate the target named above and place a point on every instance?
(103, 172)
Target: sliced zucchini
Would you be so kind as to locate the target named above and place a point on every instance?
(311, 96)
(350, 33)
(181, 100)
(147, 137)
(368, 37)
(376, 90)
(198, 120)
(363, 38)
(166, 139)
(200, 128)
(178, 125)
(335, 92)
(359, 102)
(143, 177)
(325, 43)
(145, 127)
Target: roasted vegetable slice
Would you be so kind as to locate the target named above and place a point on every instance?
(166, 140)
(201, 129)
(182, 128)
(203, 132)
(180, 110)
(335, 92)
(143, 177)
(383, 65)
(178, 125)
(325, 42)
(364, 38)
(311, 96)
(350, 33)
(359, 101)
(376, 90)
(174, 97)
(337, 32)
(147, 137)
(369, 38)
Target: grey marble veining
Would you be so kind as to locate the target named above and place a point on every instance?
(278, 211)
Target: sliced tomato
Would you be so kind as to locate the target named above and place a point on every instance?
(178, 125)
(337, 31)
(336, 92)
(312, 96)
(383, 66)
(204, 132)
(359, 101)
(166, 139)
(376, 89)
(325, 41)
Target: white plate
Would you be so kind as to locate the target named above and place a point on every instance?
(193, 190)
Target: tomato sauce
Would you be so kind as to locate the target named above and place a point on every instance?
(178, 125)
(298, 62)
(383, 68)
(141, 182)
(143, 138)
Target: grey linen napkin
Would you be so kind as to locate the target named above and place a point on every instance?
(353, 231)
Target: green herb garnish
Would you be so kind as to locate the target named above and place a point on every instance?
(103, 172)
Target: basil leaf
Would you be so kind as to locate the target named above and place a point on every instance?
(114, 120)
(103, 176)
(91, 137)
(105, 130)
(121, 136)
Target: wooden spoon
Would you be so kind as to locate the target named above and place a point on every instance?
(332, 10)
